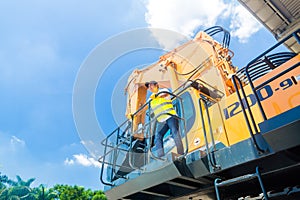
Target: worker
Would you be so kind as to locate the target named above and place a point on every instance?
(165, 114)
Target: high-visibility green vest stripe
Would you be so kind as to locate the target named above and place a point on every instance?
(162, 108)
(161, 105)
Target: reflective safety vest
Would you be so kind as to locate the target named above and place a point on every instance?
(161, 106)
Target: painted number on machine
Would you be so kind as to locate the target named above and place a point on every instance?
(263, 93)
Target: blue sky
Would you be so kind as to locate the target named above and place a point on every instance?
(42, 47)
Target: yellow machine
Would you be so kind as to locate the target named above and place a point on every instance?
(240, 129)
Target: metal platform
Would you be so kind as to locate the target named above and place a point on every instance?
(193, 176)
(283, 131)
(161, 180)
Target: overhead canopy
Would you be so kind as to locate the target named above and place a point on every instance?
(281, 17)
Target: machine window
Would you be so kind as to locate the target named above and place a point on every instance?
(188, 110)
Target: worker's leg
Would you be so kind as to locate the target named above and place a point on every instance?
(162, 128)
(173, 124)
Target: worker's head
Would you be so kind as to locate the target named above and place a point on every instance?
(152, 86)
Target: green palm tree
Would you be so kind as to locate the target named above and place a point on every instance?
(21, 182)
(17, 190)
(43, 193)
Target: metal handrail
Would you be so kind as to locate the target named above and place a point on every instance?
(219, 183)
(102, 170)
(221, 94)
(131, 138)
(263, 65)
(211, 161)
(113, 147)
(277, 76)
(102, 159)
(294, 34)
(102, 142)
(130, 155)
(109, 164)
(114, 156)
(234, 79)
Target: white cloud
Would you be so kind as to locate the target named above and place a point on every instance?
(94, 149)
(87, 142)
(183, 16)
(69, 161)
(16, 141)
(82, 159)
(186, 17)
(243, 24)
(16, 144)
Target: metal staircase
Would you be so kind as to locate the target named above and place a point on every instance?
(220, 183)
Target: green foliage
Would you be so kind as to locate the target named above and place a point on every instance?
(13, 197)
(15, 190)
(3, 181)
(99, 197)
(43, 193)
(21, 182)
(21, 190)
(4, 194)
(67, 192)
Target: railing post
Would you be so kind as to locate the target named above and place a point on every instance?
(210, 160)
(217, 180)
(255, 94)
(102, 168)
(261, 184)
(219, 183)
(234, 79)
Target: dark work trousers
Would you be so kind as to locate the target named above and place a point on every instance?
(170, 124)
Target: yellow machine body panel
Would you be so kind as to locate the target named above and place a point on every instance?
(283, 93)
(226, 117)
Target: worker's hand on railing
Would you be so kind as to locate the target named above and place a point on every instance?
(153, 96)
(129, 116)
